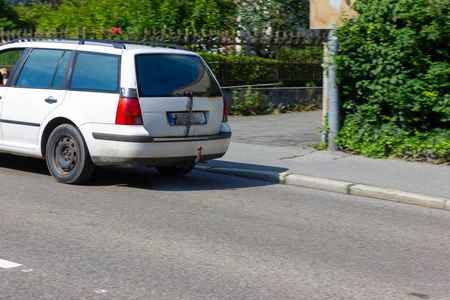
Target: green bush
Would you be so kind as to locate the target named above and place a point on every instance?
(394, 70)
(239, 68)
(247, 103)
(301, 54)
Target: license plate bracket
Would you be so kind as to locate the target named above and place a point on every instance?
(182, 118)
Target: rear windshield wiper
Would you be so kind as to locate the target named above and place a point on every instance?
(194, 94)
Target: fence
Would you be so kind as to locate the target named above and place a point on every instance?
(236, 56)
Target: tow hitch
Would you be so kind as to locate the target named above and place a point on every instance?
(199, 154)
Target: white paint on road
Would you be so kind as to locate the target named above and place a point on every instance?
(8, 264)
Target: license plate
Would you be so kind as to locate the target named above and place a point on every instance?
(182, 118)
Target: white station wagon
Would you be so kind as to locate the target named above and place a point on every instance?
(83, 103)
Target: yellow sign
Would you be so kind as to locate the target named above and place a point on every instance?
(325, 14)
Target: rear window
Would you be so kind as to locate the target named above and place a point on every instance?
(162, 75)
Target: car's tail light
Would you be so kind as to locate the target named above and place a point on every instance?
(129, 112)
(225, 111)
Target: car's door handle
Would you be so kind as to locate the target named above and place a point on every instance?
(51, 100)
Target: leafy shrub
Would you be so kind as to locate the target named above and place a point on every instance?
(250, 103)
(305, 53)
(239, 67)
(388, 140)
(394, 67)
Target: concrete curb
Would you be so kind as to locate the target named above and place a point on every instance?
(253, 174)
(335, 186)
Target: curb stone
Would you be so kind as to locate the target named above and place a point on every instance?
(267, 176)
(335, 186)
(315, 182)
(400, 196)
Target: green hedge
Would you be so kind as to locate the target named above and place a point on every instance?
(244, 68)
(394, 70)
(235, 69)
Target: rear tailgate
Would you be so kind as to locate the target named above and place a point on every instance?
(168, 117)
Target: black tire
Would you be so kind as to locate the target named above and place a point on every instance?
(174, 171)
(67, 156)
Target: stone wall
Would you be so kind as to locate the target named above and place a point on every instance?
(282, 95)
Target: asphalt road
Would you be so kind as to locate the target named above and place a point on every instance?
(134, 234)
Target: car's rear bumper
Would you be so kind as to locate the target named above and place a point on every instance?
(148, 139)
(150, 161)
(132, 149)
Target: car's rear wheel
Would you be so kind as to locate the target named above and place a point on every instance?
(67, 156)
(174, 171)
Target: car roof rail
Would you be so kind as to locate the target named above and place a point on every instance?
(120, 44)
(80, 41)
(153, 44)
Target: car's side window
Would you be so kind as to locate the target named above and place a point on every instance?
(41, 68)
(95, 72)
(59, 76)
(8, 59)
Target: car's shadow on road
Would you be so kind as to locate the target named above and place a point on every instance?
(244, 166)
(150, 179)
(25, 164)
(141, 177)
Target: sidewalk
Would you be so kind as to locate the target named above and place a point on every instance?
(278, 148)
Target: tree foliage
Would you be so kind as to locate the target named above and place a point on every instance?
(9, 18)
(134, 14)
(394, 67)
(287, 15)
(284, 15)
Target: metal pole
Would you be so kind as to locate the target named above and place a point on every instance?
(333, 94)
(325, 93)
